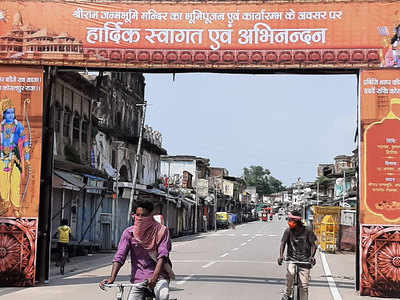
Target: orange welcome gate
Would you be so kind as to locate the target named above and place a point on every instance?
(249, 36)
(186, 34)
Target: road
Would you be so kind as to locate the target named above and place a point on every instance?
(229, 264)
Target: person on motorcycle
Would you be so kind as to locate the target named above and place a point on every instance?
(301, 247)
(149, 245)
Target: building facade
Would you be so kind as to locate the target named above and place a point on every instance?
(96, 132)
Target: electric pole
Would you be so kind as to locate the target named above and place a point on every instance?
(134, 177)
(197, 200)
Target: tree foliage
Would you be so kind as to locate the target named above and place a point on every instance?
(262, 179)
(323, 180)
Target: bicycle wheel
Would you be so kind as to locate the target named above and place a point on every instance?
(62, 262)
(296, 288)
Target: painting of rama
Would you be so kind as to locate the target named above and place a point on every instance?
(14, 159)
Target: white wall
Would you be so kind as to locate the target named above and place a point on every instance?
(177, 167)
(150, 161)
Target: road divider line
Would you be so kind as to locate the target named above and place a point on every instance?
(191, 261)
(235, 249)
(249, 240)
(185, 279)
(209, 264)
(243, 244)
(246, 261)
(225, 254)
(332, 285)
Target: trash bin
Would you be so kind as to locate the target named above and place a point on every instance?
(328, 234)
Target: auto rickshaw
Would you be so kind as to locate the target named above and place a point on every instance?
(222, 219)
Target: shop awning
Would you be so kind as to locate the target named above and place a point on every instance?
(188, 202)
(71, 181)
(66, 180)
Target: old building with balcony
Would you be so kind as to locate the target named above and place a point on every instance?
(97, 119)
(117, 115)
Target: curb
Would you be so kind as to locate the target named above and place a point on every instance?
(76, 272)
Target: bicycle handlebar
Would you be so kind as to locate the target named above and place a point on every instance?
(124, 285)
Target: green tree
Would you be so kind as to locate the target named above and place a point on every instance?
(323, 180)
(262, 179)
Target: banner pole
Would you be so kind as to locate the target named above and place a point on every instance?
(44, 226)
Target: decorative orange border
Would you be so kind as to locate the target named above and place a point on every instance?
(364, 174)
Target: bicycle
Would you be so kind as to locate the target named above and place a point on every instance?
(63, 259)
(296, 280)
(149, 294)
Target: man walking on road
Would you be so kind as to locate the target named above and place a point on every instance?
(149, 244)
(300, 242)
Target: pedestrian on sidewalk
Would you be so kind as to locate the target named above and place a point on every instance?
(149, 245)
(301, 247)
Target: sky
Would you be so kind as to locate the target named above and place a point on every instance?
(285, 123)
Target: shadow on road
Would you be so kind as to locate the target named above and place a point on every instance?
(188, 238)
(258, 280)
(80, 280)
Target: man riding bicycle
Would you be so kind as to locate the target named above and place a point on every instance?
(64, 235)
(301, 247)
(149, 244)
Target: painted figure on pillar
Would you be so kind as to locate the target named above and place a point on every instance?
(393, 54)
(14, 159)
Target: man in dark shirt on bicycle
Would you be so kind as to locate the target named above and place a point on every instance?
(301, 247)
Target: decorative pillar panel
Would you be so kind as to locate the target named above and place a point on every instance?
(380, 261)
(17, 249)
(21, 103)
(380, 183)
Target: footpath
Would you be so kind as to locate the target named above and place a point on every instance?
(342, 278)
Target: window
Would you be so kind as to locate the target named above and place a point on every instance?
(85, 128)
(67, 123)
(113, 158)
(57, 118)
(123, 174)
(76, 129)
(118, 120)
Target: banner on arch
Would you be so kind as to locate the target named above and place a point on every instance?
(197, 34)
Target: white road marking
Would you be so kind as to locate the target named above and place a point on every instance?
(235, 249)
(243, 244)
(231, 234)
(332, 285)
(246, 261)
(209, 264)
(245, 234)
(184, 279)
(225, 261)
(225, 254)
(249, 240)
(259, 234)
(273, 235)
(190, 261)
